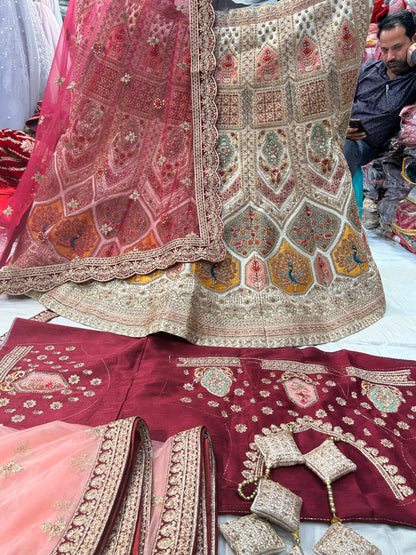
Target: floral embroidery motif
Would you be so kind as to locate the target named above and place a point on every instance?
(106, 228)
(227, 69)
(185, 126)
(73, 204)
(81, 463)
(267, 65)
(8, 211)
(309, 59)
(300, 390)
(323, 270)
(135, 195)
(38, 177)
(131, 137)
(158, 103)
(97, 47)
(153, 41)
(53, 529)
(256, 274)
(216, 380)
(40, 382)
(126, 78)
(41, 236)
(384, 398)
(10, 467)
(347, 44)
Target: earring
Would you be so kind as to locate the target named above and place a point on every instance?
(329, 463)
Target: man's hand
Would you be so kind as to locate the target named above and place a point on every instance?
(410, 50)
(355, 135)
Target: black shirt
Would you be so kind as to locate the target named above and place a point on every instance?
(379, 100)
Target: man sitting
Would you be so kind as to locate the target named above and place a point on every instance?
(384, 87)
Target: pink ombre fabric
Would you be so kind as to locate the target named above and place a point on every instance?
(123, 170)
(43, 472)
(70, 489)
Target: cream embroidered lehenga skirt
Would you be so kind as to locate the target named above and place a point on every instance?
(297, 268)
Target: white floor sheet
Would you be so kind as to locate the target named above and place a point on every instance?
(393, 336)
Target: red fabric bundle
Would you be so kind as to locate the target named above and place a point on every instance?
(379, 11)
(15, 150)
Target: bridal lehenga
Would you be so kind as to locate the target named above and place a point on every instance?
(189, 176)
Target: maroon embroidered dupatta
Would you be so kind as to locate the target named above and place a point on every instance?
(123, 178)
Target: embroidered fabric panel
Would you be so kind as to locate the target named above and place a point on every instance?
(297, 270)
(369, 402)
(43, 472)
(189, 494)
(68, 376)
(329, 398)
(131, 184)
(90, 490)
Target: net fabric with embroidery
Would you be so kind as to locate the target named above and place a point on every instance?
(298, 269)
(123, 172)
(73, 489)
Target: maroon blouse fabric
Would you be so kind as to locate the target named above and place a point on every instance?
(50, 372)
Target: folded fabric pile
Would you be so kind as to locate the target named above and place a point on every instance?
(389, 184)
(68, 488)
(15, 150)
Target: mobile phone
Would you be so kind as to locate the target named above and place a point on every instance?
(358, 125)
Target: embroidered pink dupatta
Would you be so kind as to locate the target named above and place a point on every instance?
(67, 488)
(123, 177)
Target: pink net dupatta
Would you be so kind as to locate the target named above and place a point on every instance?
(63, 486)
(71, 489)
(123, 177)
